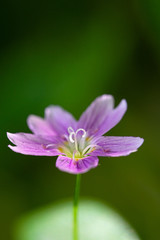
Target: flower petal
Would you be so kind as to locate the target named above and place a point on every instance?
(60, 119)
(94, 116)
(114, 117)
(40, 126)
(69, 165)
(30, 144)
(117, 146)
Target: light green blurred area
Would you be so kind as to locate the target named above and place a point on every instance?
(96, 221)
(67, 54)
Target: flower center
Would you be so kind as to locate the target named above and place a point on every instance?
(77, 144)
(73, 137)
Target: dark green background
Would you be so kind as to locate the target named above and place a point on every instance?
(68, 53)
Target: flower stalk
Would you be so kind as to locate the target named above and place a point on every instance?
(75, 207)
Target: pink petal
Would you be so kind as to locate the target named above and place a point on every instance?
(30, 144)
(69, 165)
(40, 126)
(117, 146)
(113, 117)
(59, 119)
(92, 120)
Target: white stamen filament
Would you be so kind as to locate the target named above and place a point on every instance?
(81, 129)
(50, 146)
(70, 130)
(71, 137)
(73, 140)
(74, 155)
(91, 146)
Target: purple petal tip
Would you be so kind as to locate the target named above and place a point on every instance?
(140, 142)
(9, 135)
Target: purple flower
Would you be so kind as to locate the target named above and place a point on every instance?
(76, 143)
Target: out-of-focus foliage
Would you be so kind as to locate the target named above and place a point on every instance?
(68, 53)
(96, 221)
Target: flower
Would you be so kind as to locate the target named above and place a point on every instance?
(76, 143)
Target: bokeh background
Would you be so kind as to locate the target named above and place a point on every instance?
(67, 53)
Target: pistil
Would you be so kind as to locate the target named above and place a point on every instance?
(77, 144)
(73, 138)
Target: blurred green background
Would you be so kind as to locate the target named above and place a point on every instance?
(68, 53)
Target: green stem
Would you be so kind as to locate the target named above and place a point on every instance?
(75, 207)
